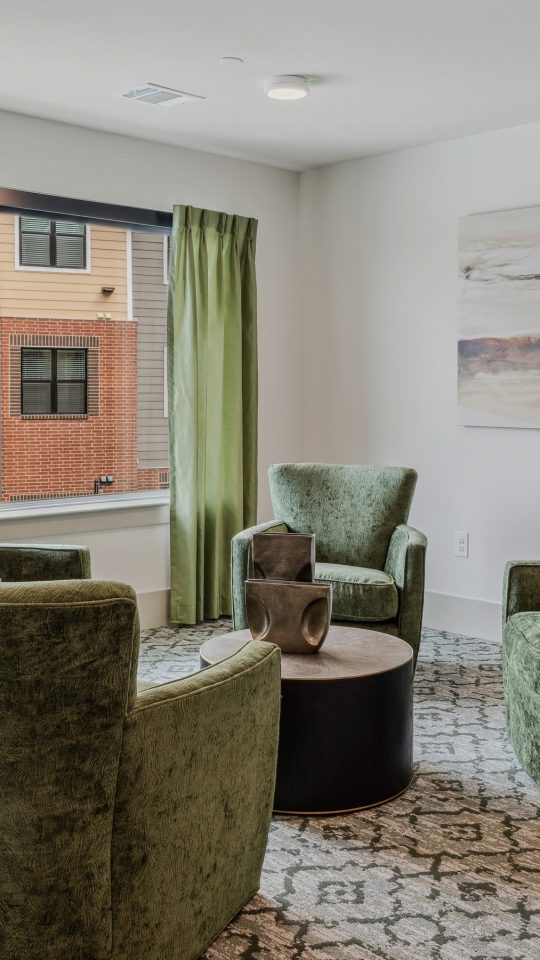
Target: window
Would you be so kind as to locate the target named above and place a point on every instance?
(52, 244)
(53, 381)
(83, 388)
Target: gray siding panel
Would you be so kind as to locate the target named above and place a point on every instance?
(150, 310)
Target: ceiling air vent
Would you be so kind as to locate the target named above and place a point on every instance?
(159, 96)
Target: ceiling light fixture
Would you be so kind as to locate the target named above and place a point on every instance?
(232, 61)
(286, 88)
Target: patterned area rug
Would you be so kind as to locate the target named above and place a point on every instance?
(448, 871)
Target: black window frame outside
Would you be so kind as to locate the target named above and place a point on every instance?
(52, 265)
(54, 381)
(50, 207)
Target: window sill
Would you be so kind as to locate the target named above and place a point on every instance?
(26, 269)
(79, 505)
(54, 416)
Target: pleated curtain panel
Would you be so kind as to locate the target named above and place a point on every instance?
(212, 389)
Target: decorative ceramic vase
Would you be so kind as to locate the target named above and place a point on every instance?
(295, 616)
(284, 556)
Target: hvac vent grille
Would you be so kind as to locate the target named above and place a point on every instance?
(157, 95)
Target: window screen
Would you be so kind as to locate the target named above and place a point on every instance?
(53, 381)
(56, 244)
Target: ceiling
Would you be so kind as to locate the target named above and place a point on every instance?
(386, 74)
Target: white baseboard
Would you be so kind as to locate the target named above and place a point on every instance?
(467, 615)
(442, 611)
(153, 608)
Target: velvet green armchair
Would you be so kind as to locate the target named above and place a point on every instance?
(521, 661)
(36, 561)
(365, 549)
(132, 826)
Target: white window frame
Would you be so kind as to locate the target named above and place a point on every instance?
(92, 503)
(22, 266)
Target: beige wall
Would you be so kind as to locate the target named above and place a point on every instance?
(63, 295)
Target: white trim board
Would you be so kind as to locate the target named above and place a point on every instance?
(129, 270)
(466, 615)
(166, 258)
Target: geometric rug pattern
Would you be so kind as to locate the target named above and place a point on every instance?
(450, 870)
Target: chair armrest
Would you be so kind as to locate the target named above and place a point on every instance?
(405, 562)
(242, 566)
(194, 798)
(521, 587)
(29, 561)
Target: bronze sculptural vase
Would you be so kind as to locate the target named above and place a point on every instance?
(293, 615)
(284, 556)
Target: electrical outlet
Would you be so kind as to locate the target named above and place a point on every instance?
(461, 543)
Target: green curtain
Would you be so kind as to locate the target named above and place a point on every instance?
(212, 383)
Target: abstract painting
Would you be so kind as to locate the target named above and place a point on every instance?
(499, 319)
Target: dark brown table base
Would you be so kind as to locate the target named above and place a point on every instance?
(344, 744)
(346, 731)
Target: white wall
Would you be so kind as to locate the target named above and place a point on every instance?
(379, 239)
(131, 545)
(373, 338)
(46, 157)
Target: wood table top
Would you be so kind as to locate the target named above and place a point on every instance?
(346, 653)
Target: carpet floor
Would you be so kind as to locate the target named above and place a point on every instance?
(448, 871)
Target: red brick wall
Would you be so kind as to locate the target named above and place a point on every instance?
(153, 479)
(57, 455)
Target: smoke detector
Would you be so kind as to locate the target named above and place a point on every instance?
(159, 96)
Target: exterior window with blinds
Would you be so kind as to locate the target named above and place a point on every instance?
(53, 381)
(52, 244)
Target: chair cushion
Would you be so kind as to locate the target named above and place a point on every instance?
(359, 593)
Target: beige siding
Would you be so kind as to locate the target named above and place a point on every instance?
(59, 294)
(150, 310)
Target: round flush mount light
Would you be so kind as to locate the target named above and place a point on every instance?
(231, 61)
(286, 88)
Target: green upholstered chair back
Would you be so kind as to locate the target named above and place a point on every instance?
(35, 561)
(68, 657)
(352, 509)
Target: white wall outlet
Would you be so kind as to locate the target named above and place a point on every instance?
(461, 543)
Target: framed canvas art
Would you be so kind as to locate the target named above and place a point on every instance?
(499, 319)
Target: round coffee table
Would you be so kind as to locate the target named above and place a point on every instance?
(346, 724)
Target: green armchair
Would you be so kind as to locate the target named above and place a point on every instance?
(36, 561)
(131, 825)
(365, 549)
(521, 661)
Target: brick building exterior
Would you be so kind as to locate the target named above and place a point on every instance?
(62, 455)
(58, 454)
